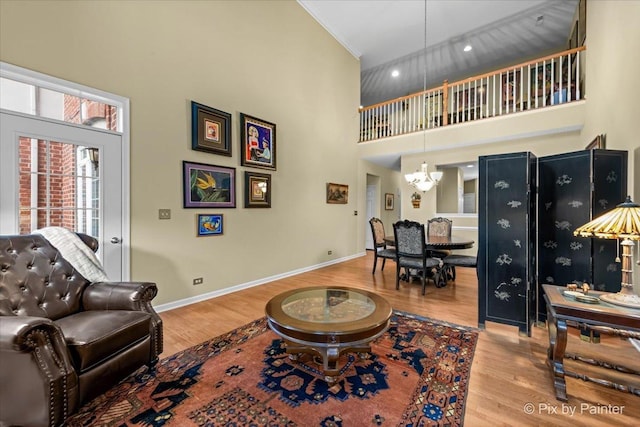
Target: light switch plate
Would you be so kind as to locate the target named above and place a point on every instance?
(164, 213)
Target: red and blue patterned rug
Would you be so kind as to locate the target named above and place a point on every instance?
(416, 375)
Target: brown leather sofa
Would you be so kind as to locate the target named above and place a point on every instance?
(64, 340)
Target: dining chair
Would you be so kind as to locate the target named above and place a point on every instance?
(412, 254)
(452, 261)
(380, 249)
(439, 226)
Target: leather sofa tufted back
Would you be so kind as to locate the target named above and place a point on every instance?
(35, 280)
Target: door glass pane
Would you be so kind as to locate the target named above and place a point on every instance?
(59, 186)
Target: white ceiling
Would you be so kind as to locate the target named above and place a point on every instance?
(389, 35)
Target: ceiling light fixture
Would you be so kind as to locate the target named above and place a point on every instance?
(468, 48)
(421, 179)
(395, 73)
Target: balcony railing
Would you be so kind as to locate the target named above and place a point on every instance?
(552, 80)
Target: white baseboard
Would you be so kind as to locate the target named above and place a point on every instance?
(198, 298)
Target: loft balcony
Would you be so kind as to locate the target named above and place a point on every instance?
(537, 84)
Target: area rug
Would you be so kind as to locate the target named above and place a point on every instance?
(417, 374)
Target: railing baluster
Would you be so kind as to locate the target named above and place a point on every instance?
(578, 76)
(475, 99)
(412, 117)
(513, 95)
(529, 87)
(521, 88)
(569, 78)
(391, 118)
(427, 108)
(394, 118)
(560, 78)
(553, 81)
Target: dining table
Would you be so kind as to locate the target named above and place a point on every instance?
(434, 243)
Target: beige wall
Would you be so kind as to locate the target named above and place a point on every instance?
(612, 85)
(267, 59)
(448, 190)
(271, 60)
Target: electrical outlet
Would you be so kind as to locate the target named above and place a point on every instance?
(164, 213)
(329, 252)
(198, 281)
(355, 213)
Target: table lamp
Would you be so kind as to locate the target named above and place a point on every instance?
(623, 222)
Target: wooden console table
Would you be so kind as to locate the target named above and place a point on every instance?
(603, 317)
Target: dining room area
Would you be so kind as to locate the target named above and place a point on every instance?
(426, 252)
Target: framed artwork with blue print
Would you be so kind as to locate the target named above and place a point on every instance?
(210, 225)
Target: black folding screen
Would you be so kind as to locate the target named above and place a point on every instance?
(574, 188)
(570, 189)
(506, 233)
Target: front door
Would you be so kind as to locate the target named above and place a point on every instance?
(60, 174)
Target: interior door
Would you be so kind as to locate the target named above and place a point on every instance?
(48, 178)
(371, 212)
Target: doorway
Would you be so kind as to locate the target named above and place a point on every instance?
(64, 161)
(373, 207)
(60, 174)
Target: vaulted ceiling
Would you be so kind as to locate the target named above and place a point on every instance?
(389, 35)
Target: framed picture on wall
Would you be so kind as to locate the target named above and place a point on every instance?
(208, 186)
(337, 193)
(210, 130)
(210, 225)
(257, 142)
(257, 190)
(388, 201)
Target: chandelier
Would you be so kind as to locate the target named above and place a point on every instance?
(421, 179)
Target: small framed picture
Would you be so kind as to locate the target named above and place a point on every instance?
(257, 143)
(388, 201)
(257, 190)
(208, 186)
(210, 225)
(210, 130)
(337, 193)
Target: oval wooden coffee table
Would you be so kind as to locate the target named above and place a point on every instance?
(328, 321)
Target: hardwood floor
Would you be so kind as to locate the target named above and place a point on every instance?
(509, 370)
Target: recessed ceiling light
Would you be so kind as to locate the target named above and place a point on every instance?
(468, 48)
(395, 73)
(469, 166)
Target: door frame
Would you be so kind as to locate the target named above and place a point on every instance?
(35, 78)
(373, 182)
